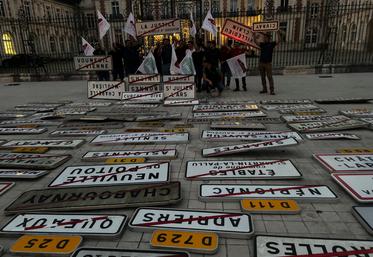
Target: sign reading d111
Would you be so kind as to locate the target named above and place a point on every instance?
(246, 169)
(93, 63)
(138, 138)
(346, 162)
(111, 90)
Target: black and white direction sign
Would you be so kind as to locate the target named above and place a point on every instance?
(180, 102)
(325, 136)
(13, 123)
(343, 100)
(141, 138)
(144, 78)
(147, 154)
(232, 149)
(287, 101)
(279, 107)
(234, 135)
(110, 252)
(139, 173)
(93, 63)
(313, 118)
(178, 79)
(364, 215)
(5, 186)
(225, 107)
(89, 104)
(32, 161)
(223, 223)
(346, 162)
(95, 198)
(154, 97)
(179, 91)
(324, 126)
(234, 192)
(77, 132)
(221, 115)
(111, 90)
(358, 113)
(239, 170)
(145, 88)
(21, 174)
(236, 125)
(358, 185)
(276, 246)
(50, 143)
(21, 131)
(155, 117)
(107, 225)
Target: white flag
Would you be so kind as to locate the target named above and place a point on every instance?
(87, 48)
(193, 30)
(148, 66)
(130, 27)
(238, 66)
(103, 24)
(209, 24)
(174, 67)
(187, 65)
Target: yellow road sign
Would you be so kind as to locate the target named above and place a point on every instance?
(124, 160)
(27, 126)
(30, 150)
(355, 150)
(186, 125)
(42, 244)
(151, 124)
(200, 242)
(137, 130)
(175, 130)
(270, 206)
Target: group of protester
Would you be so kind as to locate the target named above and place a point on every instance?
(213, 73)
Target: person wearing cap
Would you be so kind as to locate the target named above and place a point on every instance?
(265, 61)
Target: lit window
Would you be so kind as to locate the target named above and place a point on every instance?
(8, 44)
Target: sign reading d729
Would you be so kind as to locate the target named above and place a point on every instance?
(201, 242)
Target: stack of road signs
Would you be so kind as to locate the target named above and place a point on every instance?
(323, 126)
(344, 100)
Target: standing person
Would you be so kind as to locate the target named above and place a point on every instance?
(212, 78)
(225, 54)
(158, 57)
(117, 57)
(265, 61)
(166, 56)
(237, 50)
(212, 54)
(103, 75)
(131, 57)
(198, 56)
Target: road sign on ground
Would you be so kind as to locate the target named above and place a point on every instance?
(287, 101)
(236, 135)
(110, 252)
(111, 90)
(21, 131)
(66, 223)
(95, 198)
(274, 246)
(270, 206)
(32, 161)
(21, 174)
(144, 78)
(232, 149)
(148, 154)
(361, 113)
(228, 115)
(51, 143)
(141, 138)
(239, 170)
(30, 150)
(234, 192)
(174, 91)
(77, 132)
(313, 118)
(237, 125)
(153, 97)
(180, 102)
(144, 88)
(223, 223)
(343, 100)
(178, 79)
(225, 107)
(364, 215)
(199, 242)
(46, 244)
(93, 63)
(346, 162)
(279, 107)
(358, 185)
(124, 160)
(5, 186)
(325, 136)
(352, 150)
(324, 126)
(104, 175)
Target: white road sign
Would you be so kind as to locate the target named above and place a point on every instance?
(154, 97)
(178, 79)
(358, 113)
(157, 117)
(225, 107)
(239, 170)
(159, 27)
(287, 101)
(144, 87)
(148, 154)
(77, 224)
(5, 186)
(364, 215)
(324, 126)
(236, 135)
(222, 223)
(89, 104)
(322, 136)
(13, 123)
(51, 143)
(32, 161)
(265, 26)
(179, 91)
(368, 121)
(232, 149)
(278, 107)
(111, 90)
(77, 132)
(22, 174)
(358, 185)
(93, 63)
(276, 246)
(237, 125)
(234, 192)
(140, 138)
(220, 115)
(110, 252)
(103, 175)
(144, 78)
(20, 131)
(346, 162)
(313, 118)
(180, 102)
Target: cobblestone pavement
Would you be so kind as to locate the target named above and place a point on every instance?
(317, 219)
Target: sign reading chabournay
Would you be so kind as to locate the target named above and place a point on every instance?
(147, 137)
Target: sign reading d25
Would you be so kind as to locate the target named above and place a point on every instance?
(201, 242)
(43, 244)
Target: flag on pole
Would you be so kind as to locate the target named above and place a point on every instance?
(187, 65)
(238, 66)
(148, 66)
(130, 27)
(193, 30)
(103, 24)
(209, 24)
(87, 48)
(174, 67)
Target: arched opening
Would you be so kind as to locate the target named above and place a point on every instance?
(8, 44)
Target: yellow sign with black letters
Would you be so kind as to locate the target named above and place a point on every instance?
(270, 206)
